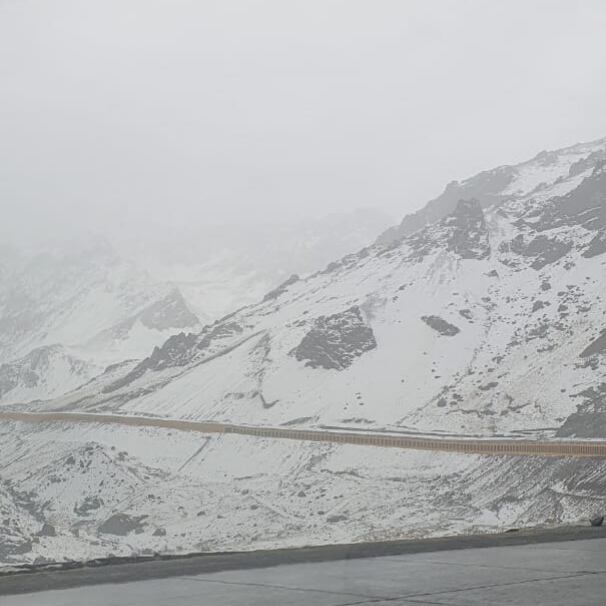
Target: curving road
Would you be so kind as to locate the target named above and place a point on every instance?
(493, 446)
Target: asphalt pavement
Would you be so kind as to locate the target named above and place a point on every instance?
(560, 567)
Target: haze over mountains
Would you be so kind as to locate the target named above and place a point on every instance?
(70, 308)
(483, 313)
(474, 323)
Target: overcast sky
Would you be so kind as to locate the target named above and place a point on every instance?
(155, 112)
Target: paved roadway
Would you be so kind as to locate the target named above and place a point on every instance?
(533, 569)
(500, 446)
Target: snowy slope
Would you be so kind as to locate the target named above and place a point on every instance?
(67, 312)
(489, 319)
(476, 323)
(72, 295)
(45, 372)
(536, 176)
(69, 309)
(76, 493)
(222, 268)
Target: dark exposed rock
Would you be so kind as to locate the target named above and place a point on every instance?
(440, 325)
(159, 532)
(584, 425)
(580, 166)
(335, 341)
(121, 524)
(590, 419)
(595, 347)
(89, 504)
(585, 205)
(537, 305)
(276, 292)
(486, 188)
(469, 236)
(597, 246)
(297, 421)
(169, 312)
(221, 330)
(14, 548)
(597, 520)
(332, 266)
(544, 250)
(47, 530)
(422, 244)
(30, 371)
(463, 232)
(176, 351)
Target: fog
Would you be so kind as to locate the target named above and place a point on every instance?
(137, 115)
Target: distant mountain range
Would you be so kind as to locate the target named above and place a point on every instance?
(487, 319)
(481, 314)
(69, 309)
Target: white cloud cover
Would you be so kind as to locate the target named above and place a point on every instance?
(137, 114)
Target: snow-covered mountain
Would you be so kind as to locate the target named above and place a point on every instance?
(74, 296)
(46, 371)
(225, 267)
(67, 312)
(488, 317)
(69, 309)
(487, 320)
(491, 187)
(70, 492)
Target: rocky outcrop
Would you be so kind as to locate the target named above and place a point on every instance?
(463, 232)
(486, 188)
(589, 421)
(44, 372)
(282, 288)
(171, 312)
(121, 524)
(597, 246)
(335, 341)
(468, 236)
(584, 206)
(179, 350)
(542, 250)
(176, 351)
(595, 347)
(441, 326)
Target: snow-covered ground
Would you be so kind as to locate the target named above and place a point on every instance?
(79, 493)
(475, 324)
(487, 319)
(69, 309)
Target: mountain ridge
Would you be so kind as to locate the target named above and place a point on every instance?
(488, 321)
(478, 277)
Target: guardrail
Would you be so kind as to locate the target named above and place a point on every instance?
(490, 447)
(516, 447)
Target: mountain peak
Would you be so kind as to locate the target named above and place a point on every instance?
(546, 170)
